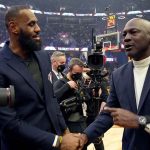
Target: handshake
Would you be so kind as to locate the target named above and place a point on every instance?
(73, 141)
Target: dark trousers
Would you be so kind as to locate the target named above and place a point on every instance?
(98, 143)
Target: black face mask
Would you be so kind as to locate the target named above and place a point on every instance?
(61, 68)
(76, 76)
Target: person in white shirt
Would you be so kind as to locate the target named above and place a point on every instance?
(128, 104)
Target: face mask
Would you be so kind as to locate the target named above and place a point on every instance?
(76, 76)
(61, 68)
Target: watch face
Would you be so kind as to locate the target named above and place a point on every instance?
(142, 120)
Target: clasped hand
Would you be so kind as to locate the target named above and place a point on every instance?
(73, 141)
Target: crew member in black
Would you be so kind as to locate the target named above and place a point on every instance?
(96, 88)
(66, 88)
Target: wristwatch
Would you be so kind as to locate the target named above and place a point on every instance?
(142, 121)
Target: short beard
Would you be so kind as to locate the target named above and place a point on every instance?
(27, 43)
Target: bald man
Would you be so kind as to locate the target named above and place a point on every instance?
(128, 104)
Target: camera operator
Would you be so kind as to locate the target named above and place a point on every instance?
(98, 93)
(67, 88)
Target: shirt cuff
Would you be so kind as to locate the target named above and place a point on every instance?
(55, 141)
(147, 128)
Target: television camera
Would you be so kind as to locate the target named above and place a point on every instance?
(89, 92)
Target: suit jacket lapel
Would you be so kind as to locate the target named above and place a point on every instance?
(130, 84)
(45, 70)
(19, 66)
(23, 71)
(48, 87)
(145, 90)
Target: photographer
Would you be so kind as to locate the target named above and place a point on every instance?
(66, 88)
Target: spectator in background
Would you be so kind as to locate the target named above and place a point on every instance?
(58, 61)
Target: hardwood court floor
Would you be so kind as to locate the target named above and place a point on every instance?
(112, 139)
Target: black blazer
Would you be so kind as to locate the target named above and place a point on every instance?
(35, 119)
(122, 95)
(54, 77)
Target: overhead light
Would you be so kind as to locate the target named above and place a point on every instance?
(146, 11)
(100, 14)
(68, 14)
(139, 15)
(2, 6)
(51, 13)
(84, 14)
(2, 44)
(134, 12)
(104, 18)
(49, 48)
(121, 13)
(121, 17)
(36, 11)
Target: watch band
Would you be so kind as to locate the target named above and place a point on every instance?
(148, 119)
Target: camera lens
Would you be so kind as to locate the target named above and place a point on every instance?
(95, 61)
(7, 96)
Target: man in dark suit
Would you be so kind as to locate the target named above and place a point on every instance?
(128, 104)
(58, 61)
(35, 122)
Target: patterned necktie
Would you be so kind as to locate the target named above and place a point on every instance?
(58, 76)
